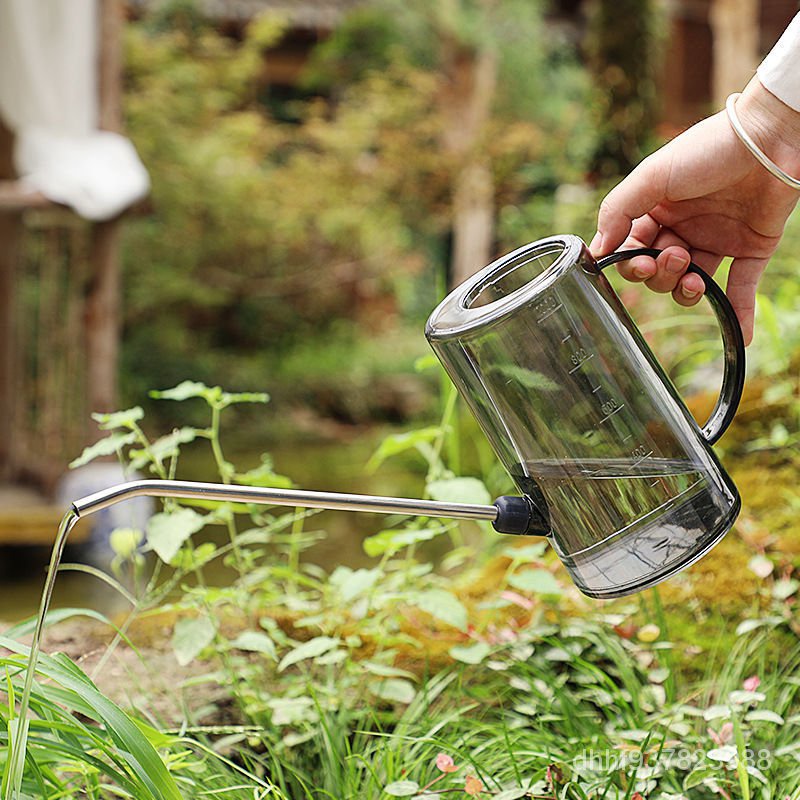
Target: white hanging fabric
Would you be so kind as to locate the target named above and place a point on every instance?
(48, 98)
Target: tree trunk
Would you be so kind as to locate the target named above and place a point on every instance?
(734, 27)
(472, 80)
(622, 52)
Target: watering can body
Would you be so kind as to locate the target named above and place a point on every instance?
(583, 417)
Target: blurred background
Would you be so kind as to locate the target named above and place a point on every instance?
(316, 173)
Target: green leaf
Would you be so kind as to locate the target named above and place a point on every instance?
(511, 794)
(470, 653)
(162, 448)
(389, 542)
(168, 530)
(402, 788)
(385, 671)
(189, 637)
(119, 419)
(527, 378)
(699, 775)
(395, 690)
(443, 605)
(154, 781)
(187, 390)
(264, 475)
(399, 443)
(460, 490)
(310, 649)
(537, 581)
(229, 399)
(785, 588)
(528, 552)
(764, 715)
(255, 642)
(352, 583)
(105, 447)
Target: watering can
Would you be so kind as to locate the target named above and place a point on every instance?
(610, 465)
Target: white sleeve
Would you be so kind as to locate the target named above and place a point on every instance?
(780, 71)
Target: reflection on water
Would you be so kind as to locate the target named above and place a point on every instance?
(323, 465)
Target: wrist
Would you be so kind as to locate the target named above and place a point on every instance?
(773, 126)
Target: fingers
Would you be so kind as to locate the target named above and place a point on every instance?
(741, 290)
(638, 194)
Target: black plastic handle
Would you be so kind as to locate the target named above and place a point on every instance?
(732, 339)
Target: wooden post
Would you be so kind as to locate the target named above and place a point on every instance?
(735, 31)
(102, 314)
(10, 227)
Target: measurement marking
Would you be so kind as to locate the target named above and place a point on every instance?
(596, 389)
(608, 416)
(654, 483)
(629, 436)
(568, 336)
(578, 366)
(550, 313)
(643, 458)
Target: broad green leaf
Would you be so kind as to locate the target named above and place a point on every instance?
(716, 712)
(426, 362)
(264, 475)
(189, 637)
(699, 776)
(526, 378)
(228, 398)
(105, 447)
(385, 671)
(726, 754)
(352, 583)
(538, 581)
(162, 448)
(125, 541)
(310, 649)
(402, 788)
(399, 443)
(752, 624)
(528, 552)
(118, 419)
(785, 588)
(392, 541)
(167, 531)
(460, 490)
(511, 794)
(470, 653)
(764, 715)
(443, 605)
(255, 642)
(188, 389)
(395, 690)
(290, 710)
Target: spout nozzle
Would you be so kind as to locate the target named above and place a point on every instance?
(518, 515)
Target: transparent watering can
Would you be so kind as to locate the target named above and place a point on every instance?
(621, 479)
(610, 464)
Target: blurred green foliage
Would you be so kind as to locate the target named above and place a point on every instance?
(265, 234)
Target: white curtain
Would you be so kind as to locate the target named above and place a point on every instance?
(48, 98)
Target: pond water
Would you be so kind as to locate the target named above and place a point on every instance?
(324, 465)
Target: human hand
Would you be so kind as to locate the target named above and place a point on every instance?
(703, 197)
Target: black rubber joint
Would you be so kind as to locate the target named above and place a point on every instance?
(517, 515)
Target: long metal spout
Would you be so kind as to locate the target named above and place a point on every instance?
(282, 497)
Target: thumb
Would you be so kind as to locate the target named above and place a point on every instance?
(639, 193)
(741, 290)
